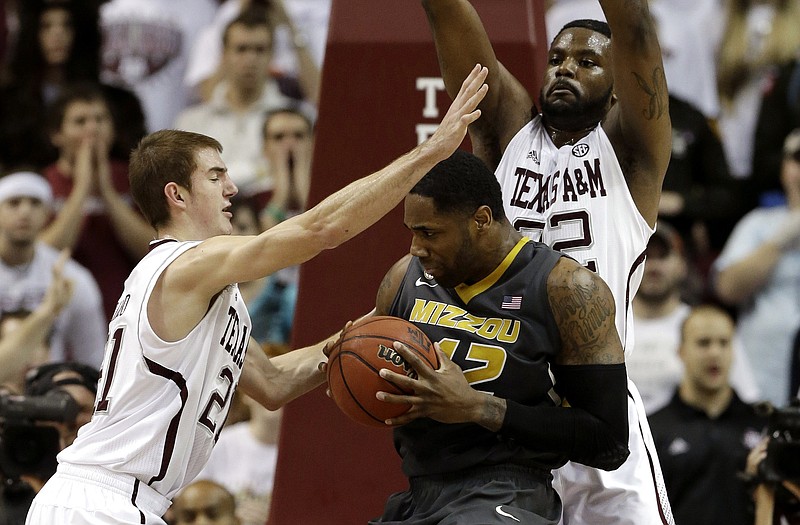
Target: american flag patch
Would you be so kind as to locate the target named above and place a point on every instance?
(511, 302)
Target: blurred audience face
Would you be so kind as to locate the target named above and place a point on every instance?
(247, 55)
(706, 349)
(84, 120)
(55, 36)
(286, 132)
(204, 502)
(245, 221)
(664, 272)
(21, 220)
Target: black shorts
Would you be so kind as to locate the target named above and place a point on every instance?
(495, 495)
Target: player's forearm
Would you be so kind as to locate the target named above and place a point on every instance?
(449, 21)
(299, 373)
(360, 204)
(593, 431)
(276, 381)
(490, 412)
(571, 432)
(300, 369)
(630, 22)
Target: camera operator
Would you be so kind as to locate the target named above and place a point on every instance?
(77, 380)
(705, 433)
(58, 399)
(773, 469)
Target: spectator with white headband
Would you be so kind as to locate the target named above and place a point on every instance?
(26, 271)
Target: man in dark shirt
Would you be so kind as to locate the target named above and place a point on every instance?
(704, 435)
(517, 327)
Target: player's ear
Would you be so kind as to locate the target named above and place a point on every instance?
(175, 194)
(483, 218)
(612, 101)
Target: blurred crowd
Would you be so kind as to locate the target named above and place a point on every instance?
(81, 81)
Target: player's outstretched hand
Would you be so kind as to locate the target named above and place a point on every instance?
(463, 111)
(442, 394)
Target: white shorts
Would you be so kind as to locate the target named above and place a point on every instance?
(89, 495)
(634, 494)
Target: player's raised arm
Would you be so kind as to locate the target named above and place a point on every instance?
(584, 310)
(339, 217)
(639, 124)
(461, 41)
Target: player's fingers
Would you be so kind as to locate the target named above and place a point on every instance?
(479, 95)
(329, 346)
(473, 81)
(471, 117)
(443, 358)
(473, 90)
(401, 420)
(386, 397)
(411, 358)
(400, 380)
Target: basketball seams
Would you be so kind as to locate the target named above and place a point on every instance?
(353, 396)
(371, 367)
(421, 352)
(358, 355)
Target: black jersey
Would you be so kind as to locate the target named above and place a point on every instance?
(502, 333)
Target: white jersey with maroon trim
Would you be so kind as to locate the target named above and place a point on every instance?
(576, 200)
(161, 405)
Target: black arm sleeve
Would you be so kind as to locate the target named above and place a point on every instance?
(594, 431)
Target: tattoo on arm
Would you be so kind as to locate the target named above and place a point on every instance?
(383, 302)
(656, 91)
(583, 308)
(389, 286)
(493, 413)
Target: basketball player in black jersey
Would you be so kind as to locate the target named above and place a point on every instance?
(603, 97)
(519, 326)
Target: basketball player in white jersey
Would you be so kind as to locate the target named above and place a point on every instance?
(179, 342)
(584, 176)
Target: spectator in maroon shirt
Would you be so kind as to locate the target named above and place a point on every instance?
(95, 215)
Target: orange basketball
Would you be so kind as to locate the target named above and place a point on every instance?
(357, 357)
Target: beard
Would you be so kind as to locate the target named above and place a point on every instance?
(581, 114)
(460, 270)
